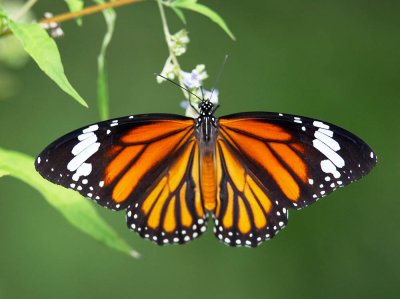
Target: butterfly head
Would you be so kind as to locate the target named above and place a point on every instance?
(206, 107)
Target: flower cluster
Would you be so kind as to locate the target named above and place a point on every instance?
(178, 42)
(53, 27)
(195, 78)
(191, 81)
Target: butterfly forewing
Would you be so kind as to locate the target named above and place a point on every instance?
(297, 159)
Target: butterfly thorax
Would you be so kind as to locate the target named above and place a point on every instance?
(206, 122)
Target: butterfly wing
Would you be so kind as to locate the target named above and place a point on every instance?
(290, 161)
(245, 215)
(171, 210)
(119, 163)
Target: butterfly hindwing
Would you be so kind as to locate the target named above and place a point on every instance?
(171, 210)
(244, 215)
(297, 159)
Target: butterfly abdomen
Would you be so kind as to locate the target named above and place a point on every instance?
(208, 181)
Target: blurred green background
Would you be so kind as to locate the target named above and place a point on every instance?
(334, 60)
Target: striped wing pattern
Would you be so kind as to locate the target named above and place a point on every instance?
(244, 215)
(291, 161)
(149, 165)
(171, 210)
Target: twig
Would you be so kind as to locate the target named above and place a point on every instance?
(80, 13)
(87, 11)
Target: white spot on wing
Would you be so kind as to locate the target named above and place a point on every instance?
(83, 170)
(91, 128)
(85, 136)
(83, 156)
(83, 144)
(328, 167)
(332, 143)
(320, 125)
(326, 132)
(329, 153)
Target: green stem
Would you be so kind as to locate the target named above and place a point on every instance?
(167, 35)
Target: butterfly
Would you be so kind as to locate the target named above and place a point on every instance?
(171, 173)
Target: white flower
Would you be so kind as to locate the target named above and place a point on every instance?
(168, 71)
(178, 42)
(53, 27)
(195, 78)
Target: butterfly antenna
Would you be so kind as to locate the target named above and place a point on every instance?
(202, 92)
(219, 75)
(173, 82)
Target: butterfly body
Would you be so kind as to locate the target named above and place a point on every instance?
(206, 133)
(171, 172)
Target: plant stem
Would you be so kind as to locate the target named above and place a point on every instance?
(80, 13)
(87, 11)
(167, 35)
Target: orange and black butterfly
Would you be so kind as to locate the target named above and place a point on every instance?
(170, 172)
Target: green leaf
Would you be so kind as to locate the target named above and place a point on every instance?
(3, 21)
(179, 13)
(102, 85)
(185, 1)
(206, 11)
(75, 5)
(76, 209)
(3, 173)
(42, 48)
